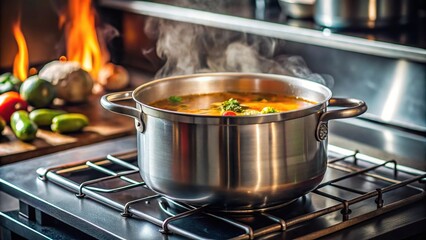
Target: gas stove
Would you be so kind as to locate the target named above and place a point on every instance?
(96, 192)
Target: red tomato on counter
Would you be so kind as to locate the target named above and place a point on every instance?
(9, 103)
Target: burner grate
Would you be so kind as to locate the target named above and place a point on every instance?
(119, 174)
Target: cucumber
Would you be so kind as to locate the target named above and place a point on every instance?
(43, 116)
(22, 126)
(69, 122)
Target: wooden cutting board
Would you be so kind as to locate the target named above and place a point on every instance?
(103, 125)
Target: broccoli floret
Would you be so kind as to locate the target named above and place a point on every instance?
(231, 105)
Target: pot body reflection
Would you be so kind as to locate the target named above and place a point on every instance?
(232, 166)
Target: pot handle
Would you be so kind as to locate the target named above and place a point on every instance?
(351, 108)
(107, 102)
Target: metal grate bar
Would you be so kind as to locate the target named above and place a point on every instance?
(181, 204)
(117, 189)
(339, 199)
(386, 189)
(126, 212)
(279, 220)
(309, 216)
(348, 189)
(345, 203)
(354, 169)
(123, 163)
(403, 183)
(165, 225)
(343, 158)
(280, 225)
(345, 224)
(102, 179)
(122, 175)
(355, 173)
(106, 171)
(247, 229)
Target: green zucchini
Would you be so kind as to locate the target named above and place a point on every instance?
(69, 122)
(43, 116)
(22, 126)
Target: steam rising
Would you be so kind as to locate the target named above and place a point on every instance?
(189, 48)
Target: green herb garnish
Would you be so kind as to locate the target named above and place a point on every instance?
(267, 110)
(231, 105)
(175, 99)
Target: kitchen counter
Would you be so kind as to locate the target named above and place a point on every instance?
(103, 125)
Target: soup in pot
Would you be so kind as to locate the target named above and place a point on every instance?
(232, 103)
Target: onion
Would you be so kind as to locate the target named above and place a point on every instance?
(113, 77)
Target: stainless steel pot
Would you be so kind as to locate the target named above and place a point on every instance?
(363, 13)
(234, 163)
(297, 8)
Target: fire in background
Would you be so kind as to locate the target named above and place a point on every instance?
(20, 63)
(82, 43)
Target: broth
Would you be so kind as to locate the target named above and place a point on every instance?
(232, 103)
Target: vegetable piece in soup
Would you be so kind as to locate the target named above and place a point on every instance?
(232, 104)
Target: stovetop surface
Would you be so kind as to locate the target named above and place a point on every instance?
(100, 221)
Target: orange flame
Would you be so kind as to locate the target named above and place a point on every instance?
(20, 63)
(82, 40)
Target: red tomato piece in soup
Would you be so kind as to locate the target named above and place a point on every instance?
(229, 113)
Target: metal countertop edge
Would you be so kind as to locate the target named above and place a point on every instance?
(48, 208)
(268, 29)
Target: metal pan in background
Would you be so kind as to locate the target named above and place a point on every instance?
(297, 8)
(363, 13)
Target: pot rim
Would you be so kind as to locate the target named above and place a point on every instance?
(234, 120)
